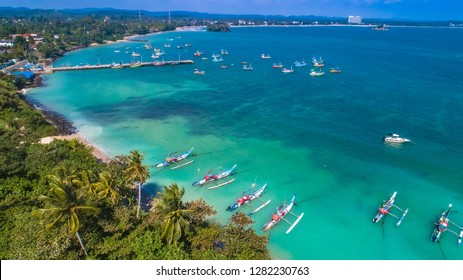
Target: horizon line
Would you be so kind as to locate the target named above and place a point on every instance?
(224, 14)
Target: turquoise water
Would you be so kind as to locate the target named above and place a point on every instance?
(319, 138)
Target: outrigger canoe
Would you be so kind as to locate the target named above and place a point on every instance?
(213, 177)
(247, 198)
(443, 225)
(386, 208)
(279, 215)
(175, 159)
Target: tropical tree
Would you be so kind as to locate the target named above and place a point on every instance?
(107, 187)
(85, 183)
(65, 203)
(137, 173)
(20, 47)
(169, 207)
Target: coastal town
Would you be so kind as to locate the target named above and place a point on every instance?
(110, 209)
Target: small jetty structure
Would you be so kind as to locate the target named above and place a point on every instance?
(51, 69)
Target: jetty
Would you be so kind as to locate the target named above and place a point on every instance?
(51, 69)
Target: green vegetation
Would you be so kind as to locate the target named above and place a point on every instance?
(58, 202)
(218, 27)
(58, 34)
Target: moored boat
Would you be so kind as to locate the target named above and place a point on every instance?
(386, 208)
(246, 198)
(285, 70)
(263, 56)
(443, 225)
(173, 158)
(335, 70)
(395, 138)
(316, 73)
(217, 58)
(300, 63)
(197, 72)
(283, 210)
(247, 68)
(213, 177)
(318, 63)
(117, 66)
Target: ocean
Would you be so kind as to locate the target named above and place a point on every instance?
(317, 137)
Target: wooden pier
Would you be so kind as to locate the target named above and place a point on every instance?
(50, 69)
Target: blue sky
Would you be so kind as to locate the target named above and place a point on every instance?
(402, 9)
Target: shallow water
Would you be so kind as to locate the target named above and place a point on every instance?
(319, 138)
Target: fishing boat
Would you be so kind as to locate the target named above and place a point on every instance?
(159, 52)
(159, 63)
(173, 158)
(197, 72)
(291, 70)
(247, 197)
(217, 59)
(187, 45)
(197, 53)
(224, 66)
(204, 58)
(381, 27)
(279, 65)
(300, 63)
(318, 63)
(280, 214)
(335, 70)
(247, 68)
(117, 66)
(166, 45)
(134, 54)
(263, 56)
(224, 52)
(395, 138)
(386, 208)
(443, 225)
(135, 65)
(214, 177)
(316, 73)
(116, 51)
(148, 46)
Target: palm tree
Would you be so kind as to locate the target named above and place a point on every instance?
(64, 203)
(106, 187)
(137, 173)
(85, 183)
(169, 206)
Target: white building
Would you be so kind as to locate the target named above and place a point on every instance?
(6, 43)
(355, 20)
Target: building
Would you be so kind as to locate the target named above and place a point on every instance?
(6, 43)
(355, 20)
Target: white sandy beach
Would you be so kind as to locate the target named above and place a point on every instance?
(96, 151)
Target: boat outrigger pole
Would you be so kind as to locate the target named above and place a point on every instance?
(386, 208)
(443, 225)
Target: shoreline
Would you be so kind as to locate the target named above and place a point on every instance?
(64, 127)
(97, 152)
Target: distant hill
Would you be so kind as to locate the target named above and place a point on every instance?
(25, 12)
(9, 12)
